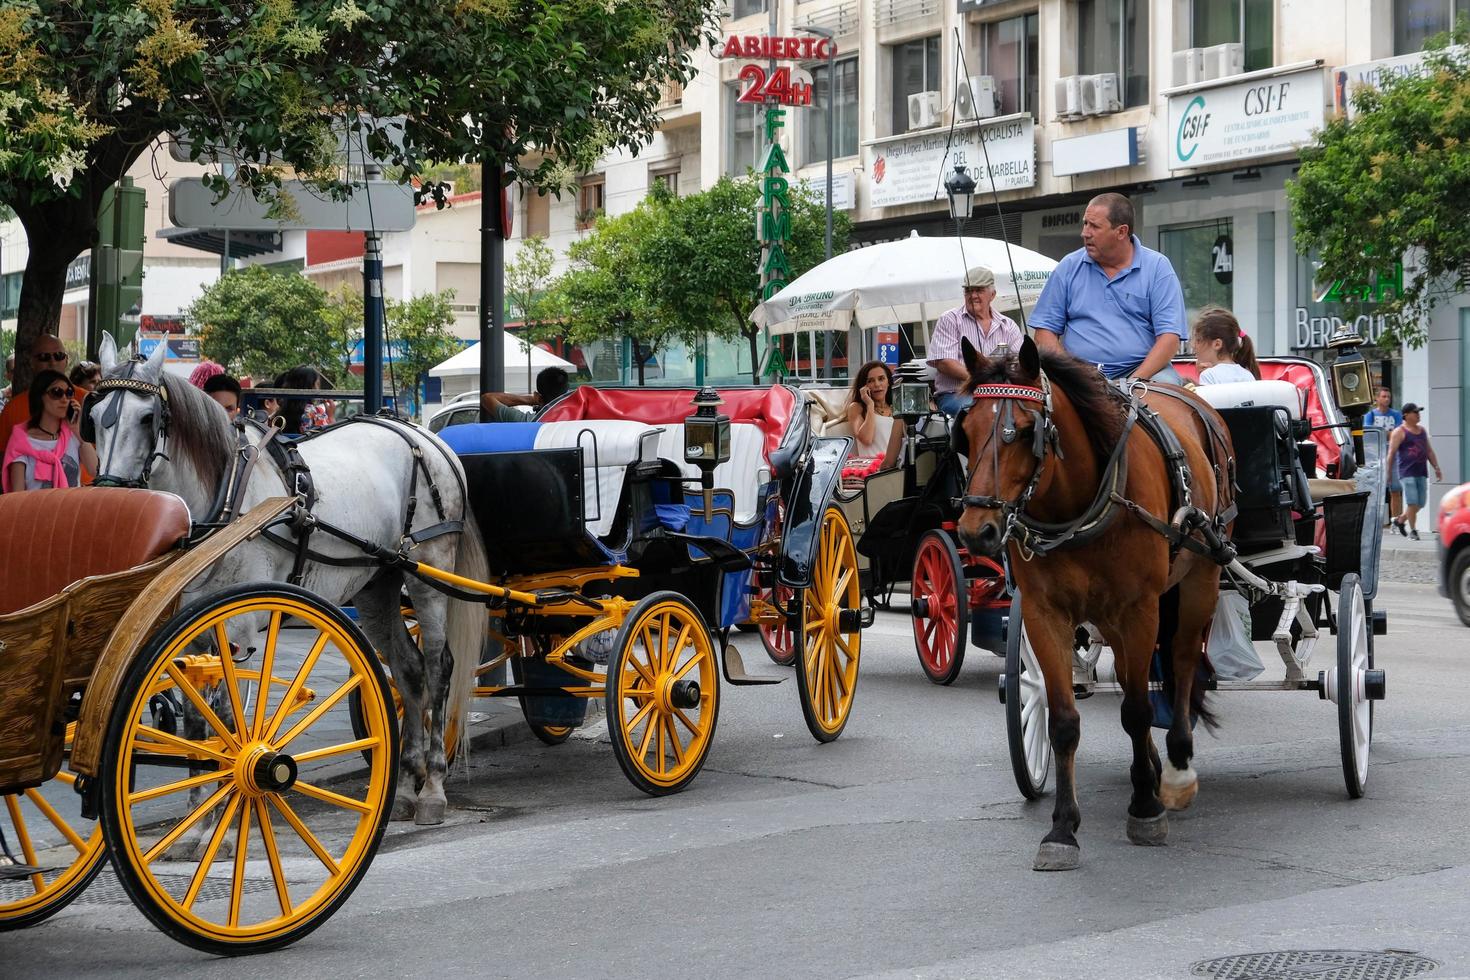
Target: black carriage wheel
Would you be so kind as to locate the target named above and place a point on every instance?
(1026, 710)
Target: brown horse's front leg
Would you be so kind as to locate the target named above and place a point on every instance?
(1050, 633)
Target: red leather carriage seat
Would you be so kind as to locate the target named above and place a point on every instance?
(768, 408)
(1301, 375)
(52, 538)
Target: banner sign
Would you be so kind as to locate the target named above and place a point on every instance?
(907, 169)
(1261, 117)
(887, 346)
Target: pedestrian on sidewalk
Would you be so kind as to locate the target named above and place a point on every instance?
(1384, 416)
(1409, 447)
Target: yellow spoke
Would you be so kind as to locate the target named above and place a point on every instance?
(680, 642)
(159, 737)
(658, 725)
(637, 693)
(267, 664)
(26, 849)
(812, 625)
(297, 683)
(181, 679)
(840, 676)
(633, 662)
(663, 643)
(642, 712)
(237, 883)
(674, 740)
(331, 750)
(693, 729)
(327, 796)
(649, 650)
(50, 814)
(268, 834)
(689, 665)
(215, 840)
(227, 664)
(306, 835)
(647, 736)
(182, 827)
(842, 581)
(311, 719)
(205, 779)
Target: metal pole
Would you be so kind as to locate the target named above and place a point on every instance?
(492, 279)
(372, 312)
(831, 140)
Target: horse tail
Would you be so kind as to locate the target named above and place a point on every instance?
(465, 630)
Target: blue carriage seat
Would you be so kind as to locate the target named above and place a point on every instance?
(549, 495)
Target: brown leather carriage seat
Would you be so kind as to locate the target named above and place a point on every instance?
(52, 538)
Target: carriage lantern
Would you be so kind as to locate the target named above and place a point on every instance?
(707, 441)
(911, 399)
(1350, 380)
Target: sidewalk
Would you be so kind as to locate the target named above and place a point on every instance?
(1396, 547)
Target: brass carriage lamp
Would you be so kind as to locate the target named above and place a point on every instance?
(707, 441)
(910, 399)
(1350, 381)
(961, 190)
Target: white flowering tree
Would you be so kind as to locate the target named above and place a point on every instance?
(87, 86)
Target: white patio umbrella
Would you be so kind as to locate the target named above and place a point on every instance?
(905, 281)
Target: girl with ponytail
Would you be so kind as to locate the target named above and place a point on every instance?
(1222, 350)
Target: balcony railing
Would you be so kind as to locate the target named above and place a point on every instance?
(841, 19)
(888, 13)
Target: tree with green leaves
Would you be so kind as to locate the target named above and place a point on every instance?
(419, 338)
(341, 318)
(527, 279)
(259, 322)
(711, 258)
(87, 86)
(1390, 185)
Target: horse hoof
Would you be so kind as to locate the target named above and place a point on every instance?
(1149, 831)
(430, 813)
(1178, 797)
(1057, 857)
(403, 808)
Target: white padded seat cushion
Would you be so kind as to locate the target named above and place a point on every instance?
(742, 474)
(1245, 394)
(619, 443)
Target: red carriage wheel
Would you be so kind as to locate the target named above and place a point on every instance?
(939, 603)
(778, 639)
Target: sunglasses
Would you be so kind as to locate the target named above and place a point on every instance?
(60, 392)
(55, 357)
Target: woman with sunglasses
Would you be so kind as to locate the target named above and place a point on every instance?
(48, 452)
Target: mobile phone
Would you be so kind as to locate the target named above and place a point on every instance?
(71, 412)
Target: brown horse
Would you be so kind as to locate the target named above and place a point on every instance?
(1081, 520)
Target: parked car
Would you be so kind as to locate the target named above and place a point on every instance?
(1454, 549)
(461, 410)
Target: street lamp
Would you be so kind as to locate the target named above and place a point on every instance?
(830, 37)
(961, 190)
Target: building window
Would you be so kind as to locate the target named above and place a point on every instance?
(742, 132)
(538, 213)
(667, 177)
(1008, 55)
(746, 8)
(845, 125)
(1416, 21)
(1190, 250)
(1247, 22)
(915, 70)
(591, 200)
(1112, 36)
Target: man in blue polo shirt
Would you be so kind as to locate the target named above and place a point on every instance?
(1113, 302)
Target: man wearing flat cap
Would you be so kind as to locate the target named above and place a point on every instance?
(985, 327)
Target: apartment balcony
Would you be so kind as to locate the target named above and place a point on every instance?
(893, 19)
(842, 19)
(675, 110)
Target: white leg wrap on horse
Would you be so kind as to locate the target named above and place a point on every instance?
(1177, 787)
(1178, 779)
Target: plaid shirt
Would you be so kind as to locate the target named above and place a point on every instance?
(958, 323)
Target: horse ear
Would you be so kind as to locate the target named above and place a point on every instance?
(975, 362)
(1030, 360)
(154, 366)
(107, 352)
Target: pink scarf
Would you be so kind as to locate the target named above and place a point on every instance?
(48, 468)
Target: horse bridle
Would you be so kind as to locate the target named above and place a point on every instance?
(161, 420)
(1044, 434)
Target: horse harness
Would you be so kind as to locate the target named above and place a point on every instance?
(1189, 524)
(161, 421)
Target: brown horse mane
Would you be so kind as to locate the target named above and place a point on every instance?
(1100, 410)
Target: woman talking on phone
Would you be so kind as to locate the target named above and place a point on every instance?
(48, 452)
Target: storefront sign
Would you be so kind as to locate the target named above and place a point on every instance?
(1222, 256)
(1096, 151)
(1385, 286)
(765, 48)
(906, 169)
(1257, 118)
(1372, 73)
(773, 220)
(79, 272)
(1312, 332)
(887, 346)
(842, 185)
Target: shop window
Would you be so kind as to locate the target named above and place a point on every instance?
(1008, 55)
(1191, 250)
(742, 132)
(845, 126)
(1416, 21)
(1112, 36)
(915, 70)
(1320, 307)
(1248, 22)
(591, 200)
(538, 213)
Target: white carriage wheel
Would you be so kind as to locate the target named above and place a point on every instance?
(1027, 715)
(1354, 709)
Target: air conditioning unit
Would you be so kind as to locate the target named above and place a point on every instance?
(975, 99)
(923, 110)
(1189, 66)
(1067, 92)
(1099, 95)
(1223, 60)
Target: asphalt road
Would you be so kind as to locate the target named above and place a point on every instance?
(902, 849)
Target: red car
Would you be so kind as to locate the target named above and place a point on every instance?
(1454, 549)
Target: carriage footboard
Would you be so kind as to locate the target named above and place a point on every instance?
(1292, 592)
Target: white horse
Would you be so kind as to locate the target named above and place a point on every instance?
(364, 476)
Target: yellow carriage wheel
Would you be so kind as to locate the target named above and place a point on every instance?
(662, 694)
(248, 836)
(68, 852)
(831, 639)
